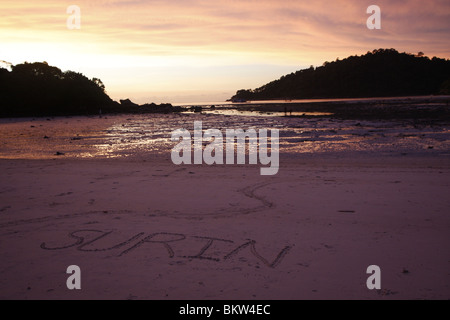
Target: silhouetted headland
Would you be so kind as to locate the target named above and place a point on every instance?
(38, 89)
(380, 73)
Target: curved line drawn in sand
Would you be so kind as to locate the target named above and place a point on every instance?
(167, 240)
(249, 191)
(15, 223)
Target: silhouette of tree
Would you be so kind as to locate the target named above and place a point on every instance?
(99, 83)
(40, 89)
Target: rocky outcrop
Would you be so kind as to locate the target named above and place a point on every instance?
(128, 103)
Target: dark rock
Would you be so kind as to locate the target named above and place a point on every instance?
(196, 108)
(128, 103)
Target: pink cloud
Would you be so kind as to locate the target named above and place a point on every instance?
(246, 25)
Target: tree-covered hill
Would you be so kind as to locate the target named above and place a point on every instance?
(380, 73)
(35, 89)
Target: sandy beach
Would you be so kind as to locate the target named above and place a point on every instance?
(140, 227)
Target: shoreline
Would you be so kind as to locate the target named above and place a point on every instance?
(142, 137)
(383, 108)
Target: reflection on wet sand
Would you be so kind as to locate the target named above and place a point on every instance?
(142, 136)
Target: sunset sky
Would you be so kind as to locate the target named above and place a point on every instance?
(205, 50)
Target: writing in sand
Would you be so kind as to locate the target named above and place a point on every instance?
(200, 247)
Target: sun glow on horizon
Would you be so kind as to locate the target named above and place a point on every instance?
(150, 47)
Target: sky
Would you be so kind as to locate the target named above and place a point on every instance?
(203, 50)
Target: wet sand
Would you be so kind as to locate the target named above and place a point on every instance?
(140, 227)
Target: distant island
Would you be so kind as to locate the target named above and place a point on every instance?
(380, 73)
(38, 89)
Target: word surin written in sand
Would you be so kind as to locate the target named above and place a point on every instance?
(194, 247)
(213, 153)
